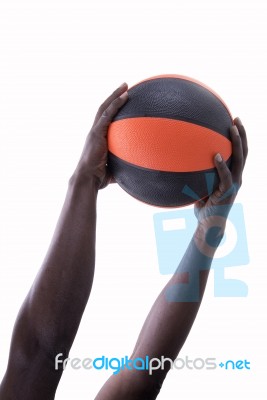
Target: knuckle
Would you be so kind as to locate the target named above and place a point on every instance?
(105, 113)
(116, 102)
(217, 194)
(114, 106)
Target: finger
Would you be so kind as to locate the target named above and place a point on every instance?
(111, 111)
(237, 162)
(242, 133)
(225, 176)
(118, 92)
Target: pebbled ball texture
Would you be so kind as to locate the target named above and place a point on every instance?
(144, 147)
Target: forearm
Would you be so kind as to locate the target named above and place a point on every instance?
(174, 311)
(54, 306)
(51, 313)
(167, 324)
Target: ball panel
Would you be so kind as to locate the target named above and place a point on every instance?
(177, 99)
(163, 189)
(187, 78)
(166, 144)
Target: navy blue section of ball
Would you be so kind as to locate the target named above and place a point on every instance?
(160, 188)
(178, 99)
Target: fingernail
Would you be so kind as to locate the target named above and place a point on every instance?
(123, 84)
(124, 96)
(218, 157)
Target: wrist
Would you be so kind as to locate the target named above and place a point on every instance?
(208, 238)
(82, 178)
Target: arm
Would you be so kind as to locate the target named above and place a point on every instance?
(174, 311)
(51, 313)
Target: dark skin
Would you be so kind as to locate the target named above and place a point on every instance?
(51, 313)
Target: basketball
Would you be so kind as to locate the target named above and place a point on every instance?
(162, 142)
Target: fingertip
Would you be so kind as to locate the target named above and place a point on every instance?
(123, 87)
(218, 158)
(237, 121)
(235, 131)
(124, 96)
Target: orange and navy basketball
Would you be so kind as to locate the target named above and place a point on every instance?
(163, 141)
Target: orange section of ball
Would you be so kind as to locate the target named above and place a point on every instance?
(166, 145)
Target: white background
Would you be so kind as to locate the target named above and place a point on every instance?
(59, 61)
